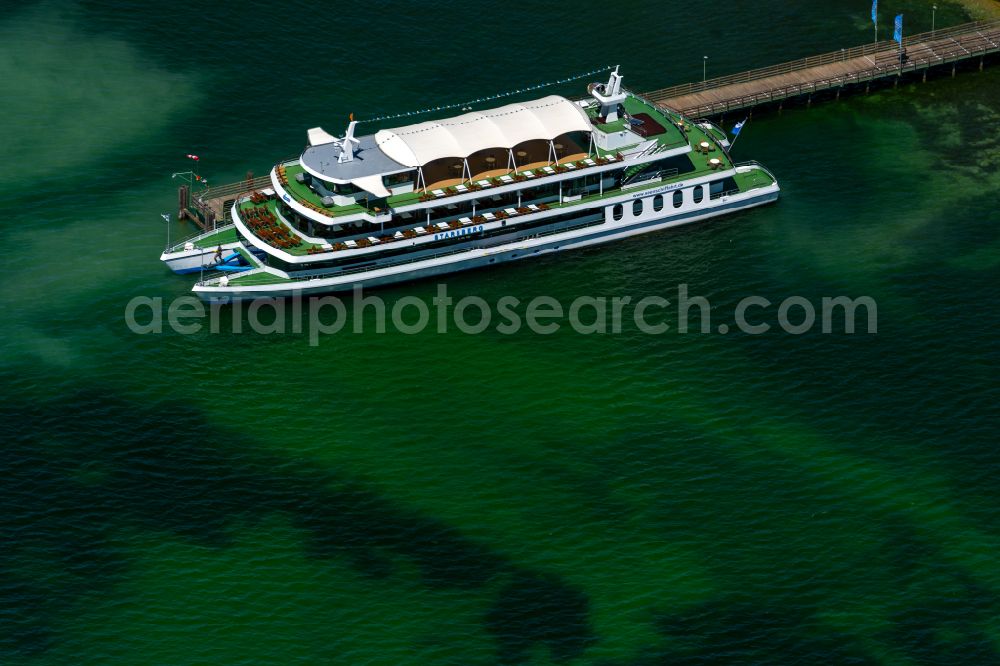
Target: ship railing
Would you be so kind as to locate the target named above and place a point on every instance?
(365, 269)
(213, 277)
(306, 278)
(754, 164)
(727, 193)
(639, 178)
(321, 208)
(653, 148)
(648, 150)
(176, 246)
(712, 128)
(642, 98)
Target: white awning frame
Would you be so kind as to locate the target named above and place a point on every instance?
(504, 127)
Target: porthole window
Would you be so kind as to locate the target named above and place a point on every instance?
(637, 208)
(699, 194)
(618, 212)
(678, 199)
(658, 202)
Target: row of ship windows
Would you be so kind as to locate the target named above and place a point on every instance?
(678, 200)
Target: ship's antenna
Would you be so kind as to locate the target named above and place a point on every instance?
(610, 96)
(467, 105)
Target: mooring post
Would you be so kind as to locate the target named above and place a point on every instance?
(868, 85)
(895, 82)
(925, 76)
(809, 101)
(182, 202)
(952, 70)
(838, 94)
(980, 63)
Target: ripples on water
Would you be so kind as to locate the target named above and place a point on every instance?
(615, 499)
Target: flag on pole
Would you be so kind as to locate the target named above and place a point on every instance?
(165, 216)
(898, 34)
(875, 12)
(193, 157)
(738, 127)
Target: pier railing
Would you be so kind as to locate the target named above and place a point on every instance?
(232, 189)
(883, 48)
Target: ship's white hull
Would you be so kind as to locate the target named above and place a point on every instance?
(608, 231)
(197, 259)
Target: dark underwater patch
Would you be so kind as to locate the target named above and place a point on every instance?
(168, 470)
(536, 609)
(738, 631)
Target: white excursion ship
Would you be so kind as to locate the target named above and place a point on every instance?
(476, 190)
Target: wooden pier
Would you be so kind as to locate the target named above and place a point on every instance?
(210, 207)
(833, 71)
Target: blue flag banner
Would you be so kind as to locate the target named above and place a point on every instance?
(738, 127)
(898, 34)
(875, 12)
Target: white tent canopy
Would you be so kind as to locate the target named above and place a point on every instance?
(504, 127)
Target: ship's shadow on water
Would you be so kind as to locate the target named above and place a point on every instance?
(69, 486)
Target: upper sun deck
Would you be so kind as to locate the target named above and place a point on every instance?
(644, 121)
(372, 176)
(363, 161)
(368, 160)
(675, 135)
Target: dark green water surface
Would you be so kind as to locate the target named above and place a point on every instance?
(619, 499)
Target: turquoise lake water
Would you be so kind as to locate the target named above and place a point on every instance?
(481, 499)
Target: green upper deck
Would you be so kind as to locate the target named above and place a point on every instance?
(671, 137)
(672, 134)
(308, 197)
